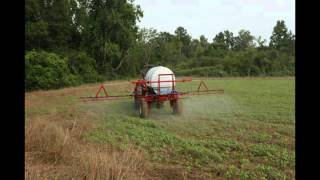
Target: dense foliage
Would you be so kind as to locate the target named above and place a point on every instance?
(94, 40)
(46, 70)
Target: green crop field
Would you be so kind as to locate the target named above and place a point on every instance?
(246, 133)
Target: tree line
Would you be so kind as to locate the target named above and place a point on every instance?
(70, 42)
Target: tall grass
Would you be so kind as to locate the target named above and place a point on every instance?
(100, 163)
(49, 140)
(50, 144)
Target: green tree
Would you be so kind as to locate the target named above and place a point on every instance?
(229, 39)
(36, 28)
(59, 18)
(149, 44)
(50, 24)
(281, 38)
(167, 50)
(261, 43)
(82, 66)
(197, 48)
(219, 41)
(185, 39)
(203, 41)
(224, 40)
(36, 35)
(244, 40)
(110, 31)
(79, 41)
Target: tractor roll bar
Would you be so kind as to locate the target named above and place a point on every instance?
(143, 81)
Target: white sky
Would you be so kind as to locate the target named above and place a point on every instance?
(209, 17)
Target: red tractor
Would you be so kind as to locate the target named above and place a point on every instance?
(145, 95)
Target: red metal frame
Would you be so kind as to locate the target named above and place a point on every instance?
(105, 92)
(202, 83)
(154, 97)
(158, 97)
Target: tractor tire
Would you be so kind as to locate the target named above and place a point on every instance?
(136, 103)
(138, 92)
(177, 107)
(143, 109)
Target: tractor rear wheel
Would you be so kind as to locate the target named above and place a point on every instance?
(177, 107)
(138, 92)
(136, 103)
(143, 109)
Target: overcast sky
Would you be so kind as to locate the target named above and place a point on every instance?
(209, 17)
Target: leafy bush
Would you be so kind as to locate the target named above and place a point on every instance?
(83, 67)
(46, 71)
(213, 71)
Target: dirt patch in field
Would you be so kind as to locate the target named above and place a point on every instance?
(169, 171)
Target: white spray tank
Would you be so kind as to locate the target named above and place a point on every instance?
(153, 75)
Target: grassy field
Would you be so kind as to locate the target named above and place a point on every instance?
(246, 133)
